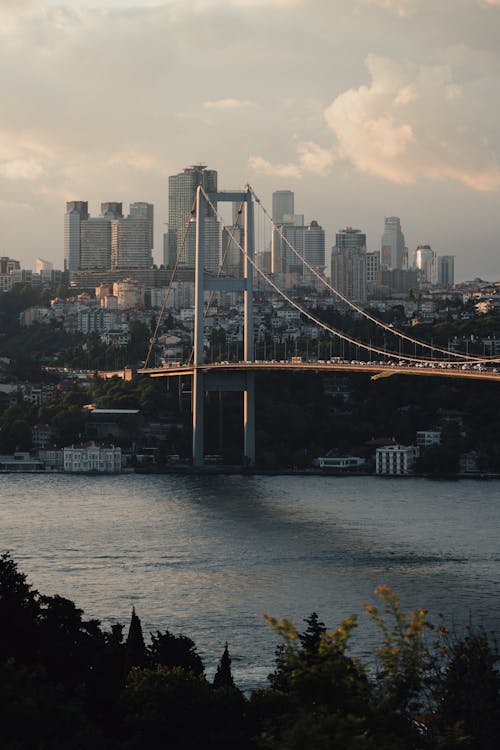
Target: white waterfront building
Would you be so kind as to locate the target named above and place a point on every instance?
(395, 460)
(93, 458)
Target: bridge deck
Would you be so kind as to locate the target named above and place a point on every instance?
(368, 367)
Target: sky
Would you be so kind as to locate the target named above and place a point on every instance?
(364, 108)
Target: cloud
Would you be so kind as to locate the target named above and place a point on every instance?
(143, 162)
(228, 104)
(263, 166)
(401, 7)
(404, 7)
(312, 158)
(413, 122)
(21, 169)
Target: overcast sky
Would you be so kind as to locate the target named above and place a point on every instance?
(364, 108)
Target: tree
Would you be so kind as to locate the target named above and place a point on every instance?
(135, 649)
(311, 637)
(467, 690)
(19, 612)
(169, 650)
(223, 676)
(403, 655)
(37, 713)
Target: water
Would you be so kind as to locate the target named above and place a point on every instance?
(206, 556)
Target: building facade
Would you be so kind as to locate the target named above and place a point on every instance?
(393, 244)
(348, 264)
(425, 263)
(446, 270)
(132, 238)
(283, 206)
(110, 241)
(181, 237)
(76, 212)
(396, 460)
(92, 458)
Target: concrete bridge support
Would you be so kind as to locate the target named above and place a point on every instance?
(203, 283)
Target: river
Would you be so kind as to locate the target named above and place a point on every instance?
(206, 555)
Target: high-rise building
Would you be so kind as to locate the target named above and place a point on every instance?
(76, 212)
(181, 230)
(372, 267)
(232, 257)
(95, 244)
(7, 265)
(425, 264)
(109, 240)
(112, 210)
(348, 264)
(283, 206)
(309, 241)
(132, 238)
(446, 270)
(43, 265)
(393, 244)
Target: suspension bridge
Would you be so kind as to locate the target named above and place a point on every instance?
(425, 360)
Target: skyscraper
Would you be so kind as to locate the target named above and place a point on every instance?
(446, 270)
(181, 196)
(309, 241)
(348, 264)
(95, 244)
(112, 210)
(132, 238)
(76, 212)
(109, 240)
(393, 244)
(425, 263)
(283, 206)
(372, 266)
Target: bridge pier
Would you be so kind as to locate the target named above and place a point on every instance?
(249, 420)
(231, 382)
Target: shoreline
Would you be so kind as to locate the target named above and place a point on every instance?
(257, 471)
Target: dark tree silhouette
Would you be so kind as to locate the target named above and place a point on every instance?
(311, 637)
(169, 650)
(223, 676)
(19, 611)
(135, 649)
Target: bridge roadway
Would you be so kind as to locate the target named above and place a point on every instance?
(287, 366)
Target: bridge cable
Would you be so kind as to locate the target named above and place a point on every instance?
(349, 302)
(172, 275)
(306, 313)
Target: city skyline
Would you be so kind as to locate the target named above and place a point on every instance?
(364, 109)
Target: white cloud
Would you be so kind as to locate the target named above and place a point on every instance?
(263, 166)
(404, 7)
(228, 104)
(401, 7)
(312, 158)
(143, 162)
(412, 122)
(21, 169)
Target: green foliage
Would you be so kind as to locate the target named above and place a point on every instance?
(403, 653)
(37, 713)
(15, 431)
(467, 688)
(168, 650)
(176, 708)
(63, 684)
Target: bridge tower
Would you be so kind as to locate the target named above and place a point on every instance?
(242, 381)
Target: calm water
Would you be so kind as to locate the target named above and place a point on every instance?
(207, 555)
